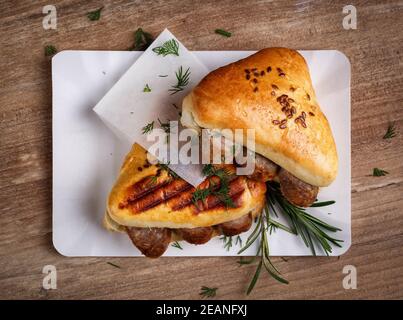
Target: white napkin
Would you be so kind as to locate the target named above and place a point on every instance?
(142, 96)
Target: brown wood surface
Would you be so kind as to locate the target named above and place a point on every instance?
(375, 51)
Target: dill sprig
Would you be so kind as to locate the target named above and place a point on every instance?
(152, 181)
(147, 88)
(238, 240)
(148, 128)
(50, 50)
(223, 32)
(94, 15)
(311, 229)
(142, 40)
(182, 80)
(200, 195)
(168, 47)
(390, 132)
(379, 172)
(207, 292)
(177, 245)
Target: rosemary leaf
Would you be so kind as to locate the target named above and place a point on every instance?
(323, 203)
(223, 32)
(142, 40)
(113, 265)
(148, 128)
(147, 88)
(177, 245)
(182, 80)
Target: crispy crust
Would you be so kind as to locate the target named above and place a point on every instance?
(227, 98)
(173, 212)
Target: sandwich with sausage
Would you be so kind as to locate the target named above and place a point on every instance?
(270, 92)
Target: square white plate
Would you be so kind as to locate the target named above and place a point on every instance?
(87, 156)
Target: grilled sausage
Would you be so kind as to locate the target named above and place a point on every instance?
(265, 169)
(152, 242)
(237, 226)
(196, 235)
(296, 191)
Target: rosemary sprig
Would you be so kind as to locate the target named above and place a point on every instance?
(147, 88)
(94, 15)
(227, 240)
(177, 245)
(238, 240)
(148, 128)
(379, 172)
(390, 132)
(311, 229)
(142, 40)
(182, 80)
(165, 126)
(223, 32)
(168, 47)
(50, 50)
(207, 292)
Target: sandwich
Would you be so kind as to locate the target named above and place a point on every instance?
(270, 91)
(155, 207)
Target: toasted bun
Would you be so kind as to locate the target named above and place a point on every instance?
(139, 200)
(228, 98)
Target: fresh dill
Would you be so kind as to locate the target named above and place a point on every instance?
(182, 80)
(142, 40)
(147, 88)
(227, 240)
(390, 132)
(379, 172)
(94, 15)
(207, 292)
(148, 128)
(168, 47)
(50, 50)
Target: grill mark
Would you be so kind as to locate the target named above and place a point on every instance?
(236, 188)
(142, 188)
(159, 196)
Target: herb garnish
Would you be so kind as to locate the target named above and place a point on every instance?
(168, 47)
(148, 128)
(312, 230)
(142, 40)
(323, 203)
(390, 133)
(50, 50)
(222, 192)
(94, 15)
(162, 75)
(182, 80)
(113, 265)
(207, 292)
(379, 172)
(152, 181)
(177, 245)
(223, 32)
(147, 88)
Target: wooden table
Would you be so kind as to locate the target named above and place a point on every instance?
(376, 53)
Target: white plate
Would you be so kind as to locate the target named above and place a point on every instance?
(87, 156)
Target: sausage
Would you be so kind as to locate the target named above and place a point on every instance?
(237, 226)
(265, 169)
(152, 242)
(196, 235)
(296, 191)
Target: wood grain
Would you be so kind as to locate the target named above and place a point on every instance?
(375, 52)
